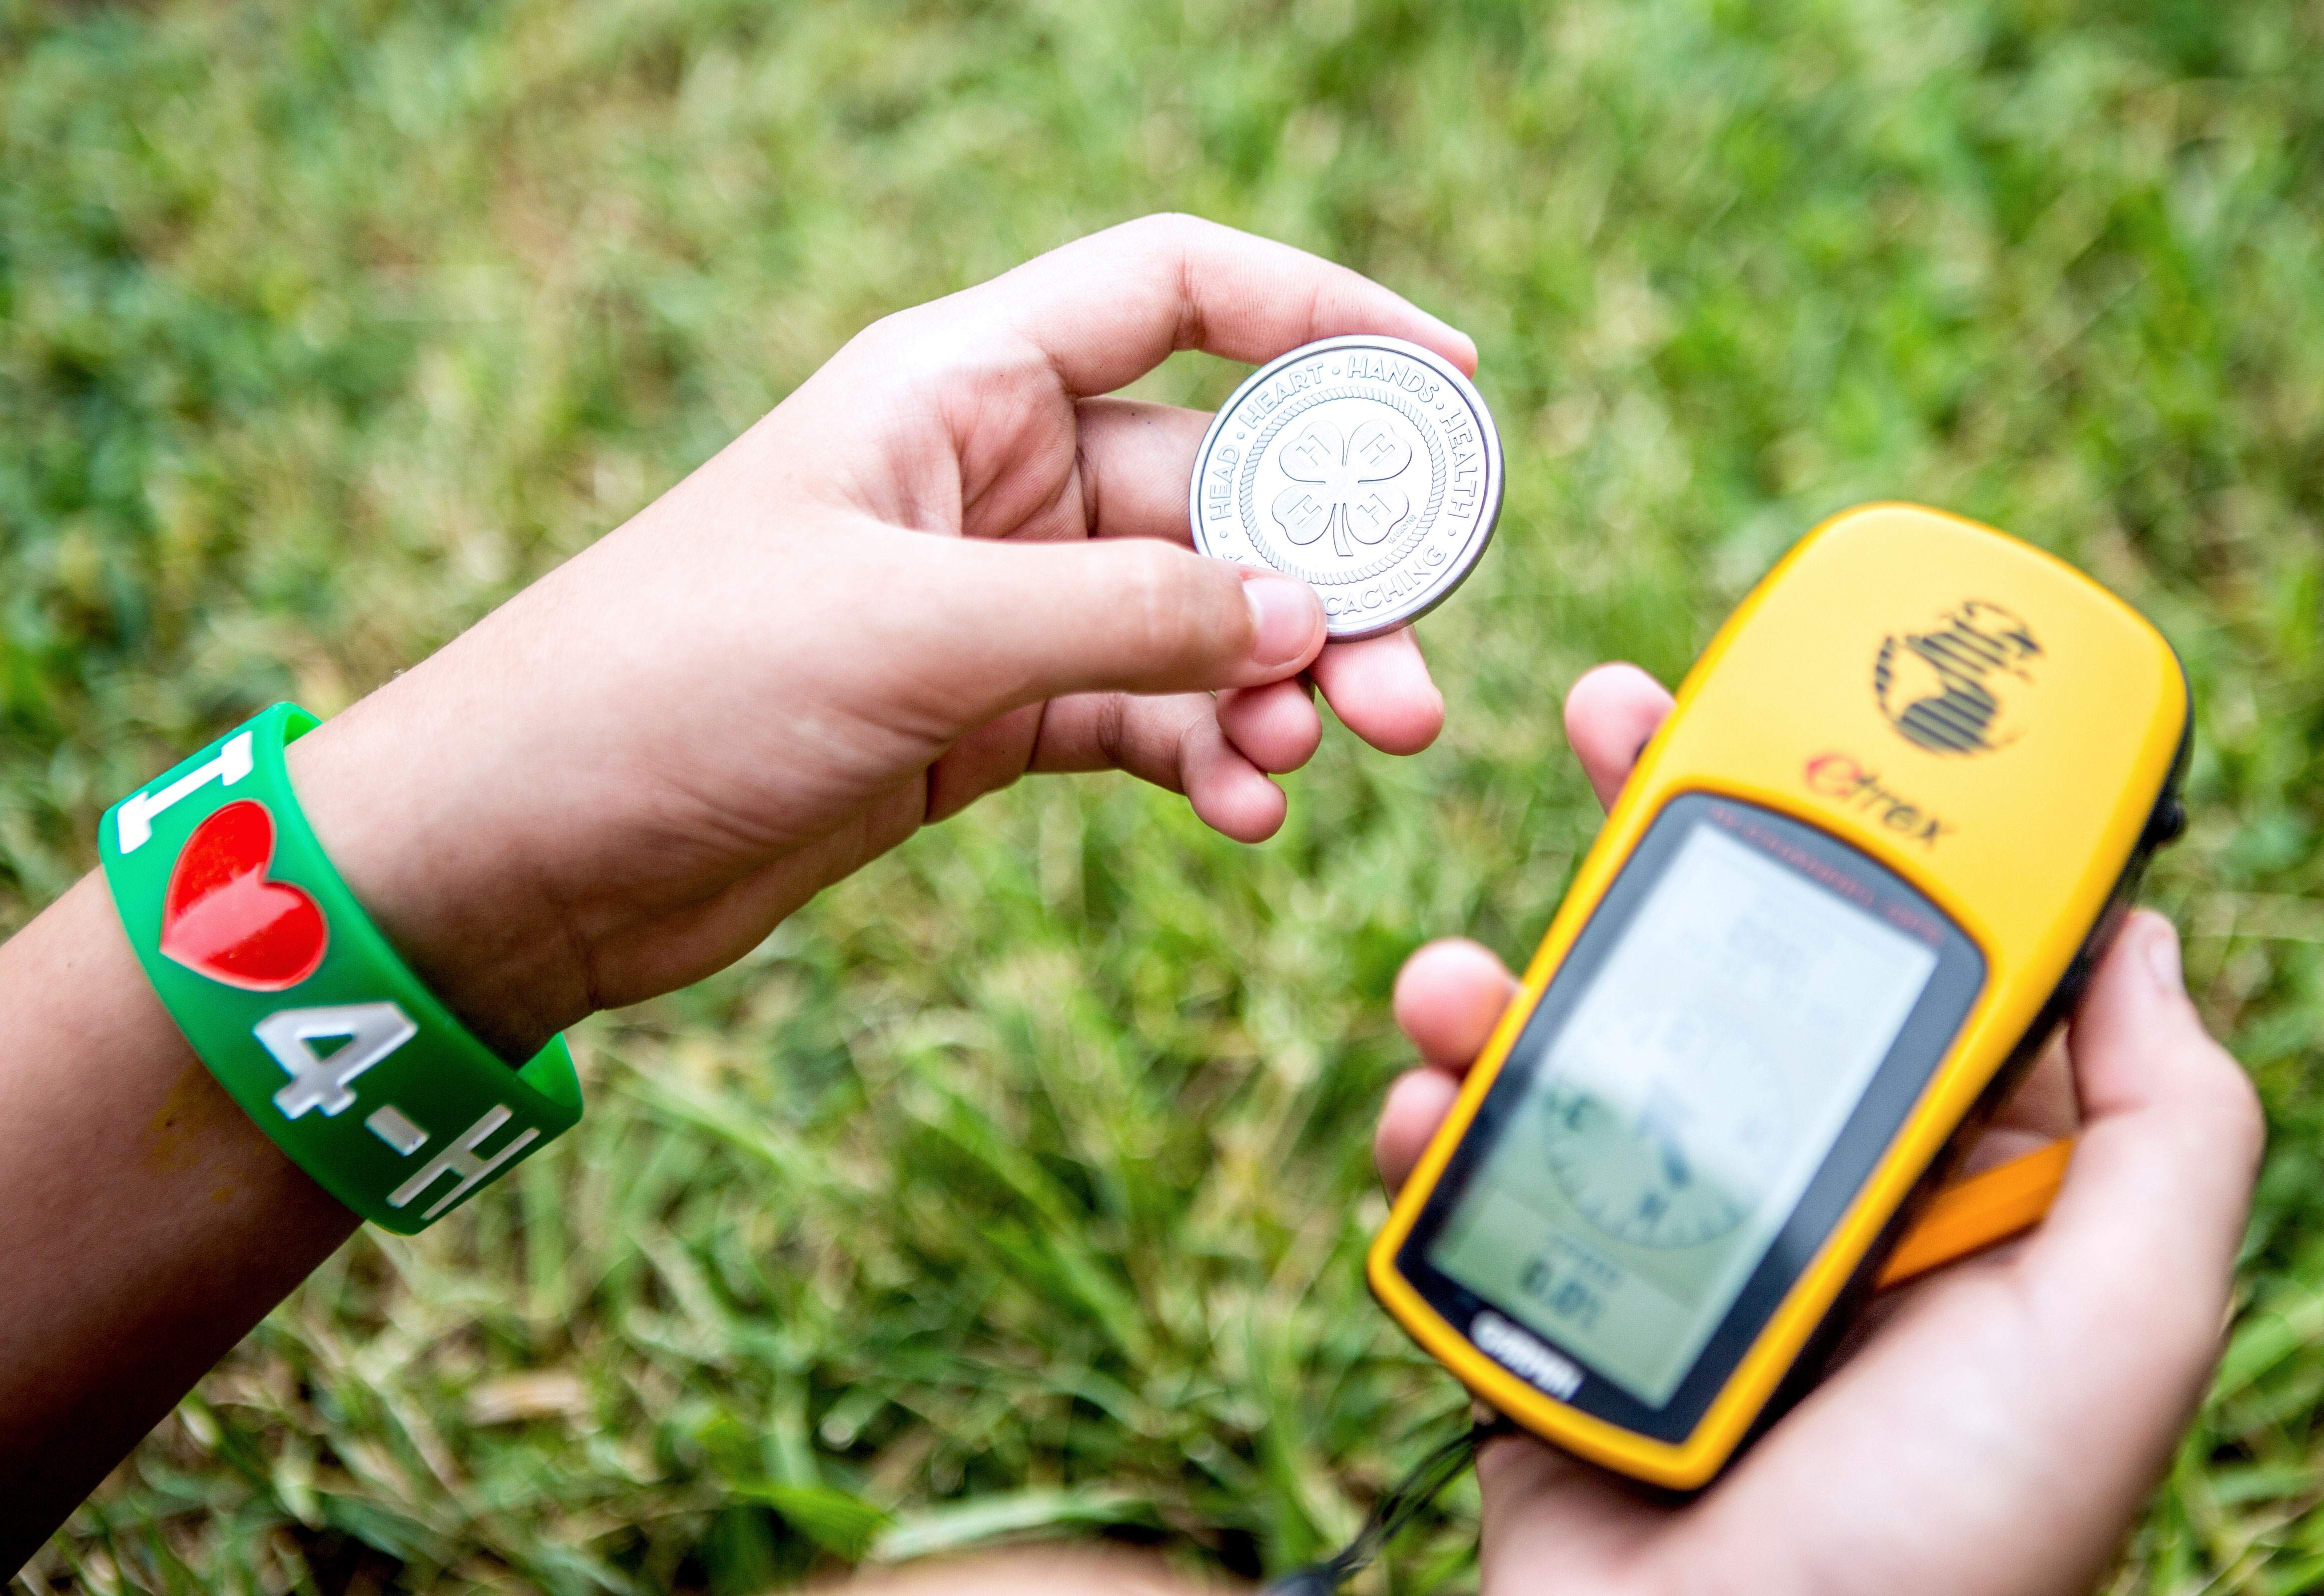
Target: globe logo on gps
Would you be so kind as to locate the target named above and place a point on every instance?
(1948, 689)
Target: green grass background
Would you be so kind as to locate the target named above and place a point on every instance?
(1017, 1187)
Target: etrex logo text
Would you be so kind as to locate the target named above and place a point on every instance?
(1858, 787)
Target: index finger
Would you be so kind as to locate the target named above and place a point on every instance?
(1105, 309)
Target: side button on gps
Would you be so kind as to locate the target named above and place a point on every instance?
(2167, 825)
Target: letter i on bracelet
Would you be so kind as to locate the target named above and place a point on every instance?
(296, 1003)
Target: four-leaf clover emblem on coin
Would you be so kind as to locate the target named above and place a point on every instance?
(1366, 467)
(1344, 487)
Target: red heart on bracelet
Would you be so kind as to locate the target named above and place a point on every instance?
(223, 919)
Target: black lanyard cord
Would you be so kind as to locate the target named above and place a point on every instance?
(1392, 1512)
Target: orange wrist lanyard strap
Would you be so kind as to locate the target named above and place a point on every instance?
(1978, 1213)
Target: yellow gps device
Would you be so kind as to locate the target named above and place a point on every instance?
(1853, 883)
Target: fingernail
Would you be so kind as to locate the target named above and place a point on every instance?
(1282, 618)
(2163, 958)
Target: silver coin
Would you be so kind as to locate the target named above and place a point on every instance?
(1366, 467)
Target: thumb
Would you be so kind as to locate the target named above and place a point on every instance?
(2154, 1205)
(1007, 624)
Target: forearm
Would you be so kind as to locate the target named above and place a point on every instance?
(919, 577)
(145, 1223)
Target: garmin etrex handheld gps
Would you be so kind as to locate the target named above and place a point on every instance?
(1855, 879)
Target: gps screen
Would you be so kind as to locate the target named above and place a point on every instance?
(1664, 1132)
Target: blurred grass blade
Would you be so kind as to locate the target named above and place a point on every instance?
(841, 1524)
(1013, 1514)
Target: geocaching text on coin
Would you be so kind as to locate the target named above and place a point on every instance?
(1366, 467)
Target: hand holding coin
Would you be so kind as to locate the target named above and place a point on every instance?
(951, 558)
(948, 560)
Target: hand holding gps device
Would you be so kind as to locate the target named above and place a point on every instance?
(1861, 871)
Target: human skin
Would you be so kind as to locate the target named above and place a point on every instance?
(1994, 1428)
(942, 563)
(945, 560)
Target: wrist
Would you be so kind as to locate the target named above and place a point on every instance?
(297, 1002)
(440, 873)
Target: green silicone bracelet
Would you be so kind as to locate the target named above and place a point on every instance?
(298, 1004)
